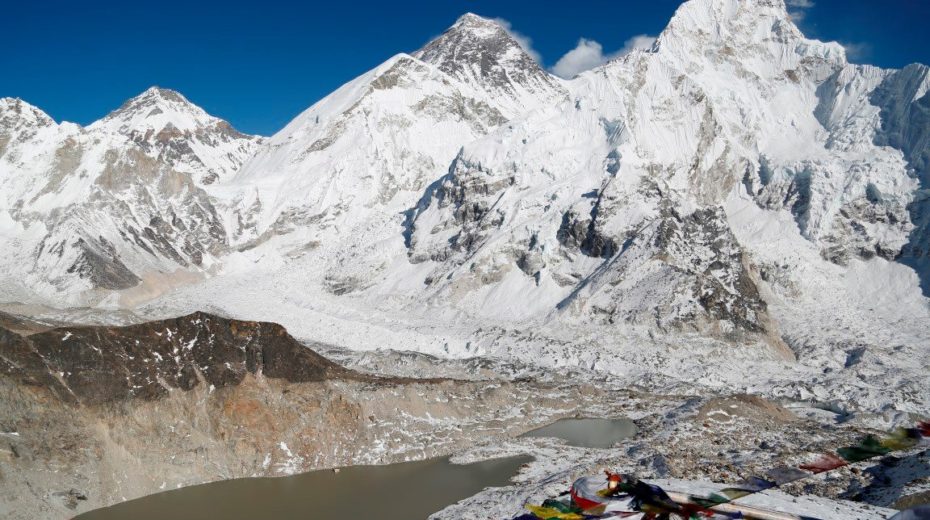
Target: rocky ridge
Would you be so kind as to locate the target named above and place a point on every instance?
(96, 415)
(92, 366)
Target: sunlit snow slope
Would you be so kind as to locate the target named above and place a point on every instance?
(736, 195)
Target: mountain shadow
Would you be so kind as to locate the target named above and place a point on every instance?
(905, 125)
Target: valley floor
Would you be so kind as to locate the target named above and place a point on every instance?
(690, 435)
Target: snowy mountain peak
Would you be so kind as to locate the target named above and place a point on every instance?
(703, 15)
(478, 42)
(156, 109)
(757, 36)
(15, 113)
(475, 41)
(483, 54)
(479, 25)
(168, 127)
(162, 93)
(718, 20)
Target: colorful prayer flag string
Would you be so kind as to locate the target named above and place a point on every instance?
(652, 500)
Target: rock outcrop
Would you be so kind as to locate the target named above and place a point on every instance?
(97, 365)
(91, 416)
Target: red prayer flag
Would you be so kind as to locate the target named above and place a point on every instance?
(924, 428)
(826, 462)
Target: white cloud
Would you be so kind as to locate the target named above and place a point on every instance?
(797, 15)
(640, 41)
(586, 55)
(525, 41)
(797, 9)
(856, 52)
(589, 54)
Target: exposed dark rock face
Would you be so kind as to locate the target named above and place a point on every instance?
(21, 324)
(95, 365)
(468, 193)
(856, 226)
(481, 52)
(722, 284)
(708, 281)
(585, 235)
(99, 262)
(20, 359)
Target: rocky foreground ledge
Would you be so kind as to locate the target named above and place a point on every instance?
(91, 416)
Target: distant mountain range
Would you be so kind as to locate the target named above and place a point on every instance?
(736, 184)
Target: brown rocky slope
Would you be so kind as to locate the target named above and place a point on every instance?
(96, 415)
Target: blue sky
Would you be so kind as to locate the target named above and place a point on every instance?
(258, 64)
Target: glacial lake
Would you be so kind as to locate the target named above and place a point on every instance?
(587, 433)
(404, 491)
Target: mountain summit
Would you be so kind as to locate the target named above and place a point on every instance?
(16, 114)
(465, 83)
(155, 110)
(480, 52)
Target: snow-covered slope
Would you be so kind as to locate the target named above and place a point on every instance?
(612, 208)
(704, 201)
(365, 152)
(110, 206)
(168, 127)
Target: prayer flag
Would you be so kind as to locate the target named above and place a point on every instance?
(826, 462)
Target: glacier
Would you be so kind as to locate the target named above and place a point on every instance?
(737, 206)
